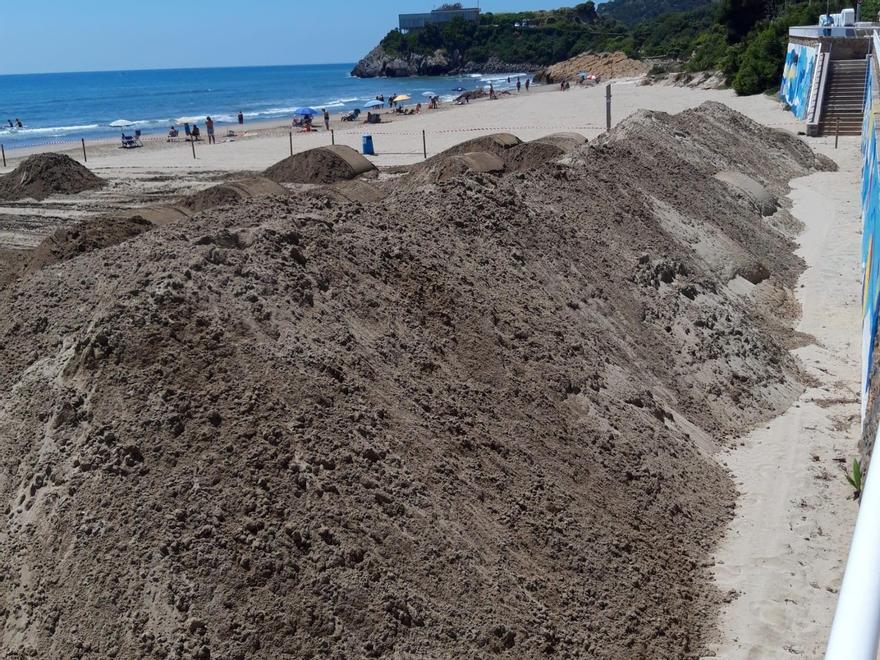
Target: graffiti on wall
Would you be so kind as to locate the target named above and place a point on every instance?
(797, 78)
(870, 200)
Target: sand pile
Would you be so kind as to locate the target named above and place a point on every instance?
(231, 193)
(605, 65)
(500, 152)
(321, 165)
(42, 175)
(300, 427)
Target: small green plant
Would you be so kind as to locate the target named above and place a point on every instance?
(855, 477)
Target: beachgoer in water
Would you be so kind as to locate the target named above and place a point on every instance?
(209, 125)
(240, 118)
(508, 80)
(18, 123)
(187, 130)
(326, 120)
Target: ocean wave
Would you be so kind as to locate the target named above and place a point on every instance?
(125, 123)
(272, 112)
(50, 130)
(199, 119)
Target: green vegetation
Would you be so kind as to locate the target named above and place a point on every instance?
(543, 37)
(633, 12)
(855, 477)
(744, 39)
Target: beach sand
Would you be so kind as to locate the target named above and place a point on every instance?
(398, 140)
(783, 555)
(785, 552)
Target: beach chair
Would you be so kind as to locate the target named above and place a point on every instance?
(131, 141)
(173, 135)
(353, 115)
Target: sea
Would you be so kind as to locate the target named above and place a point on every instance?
(61, 107)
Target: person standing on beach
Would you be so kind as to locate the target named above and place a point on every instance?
(326, 120)
(518, 85)
(240, 118)
(187, 130)
(209, 125)
(528, 82)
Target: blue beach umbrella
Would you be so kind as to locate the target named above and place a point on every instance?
(306, 112)
(375, 103)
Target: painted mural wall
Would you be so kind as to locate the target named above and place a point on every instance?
(797, 78)
(870, 201)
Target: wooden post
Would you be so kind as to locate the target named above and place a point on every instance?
(192, 142)
(332, 136)
(85, 158)
(3, 151)
(608, 106)
(424, 146)
(290, 134)
(836, 132)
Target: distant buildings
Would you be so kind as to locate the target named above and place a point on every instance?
(417, 21)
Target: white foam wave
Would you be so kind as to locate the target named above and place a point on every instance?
(51, 130)
(200, 119)
(125, 123)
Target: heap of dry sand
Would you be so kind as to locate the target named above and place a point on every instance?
(474, 418)
(321, 165)
(42, 175)
(604, 65)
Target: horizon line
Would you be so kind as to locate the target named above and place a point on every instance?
(175, 68)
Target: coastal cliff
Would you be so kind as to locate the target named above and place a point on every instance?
(379, 63)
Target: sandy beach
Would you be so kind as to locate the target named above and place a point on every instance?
(398, 140)
(782, 557)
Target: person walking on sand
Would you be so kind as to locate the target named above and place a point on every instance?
(209, 126)
(240, 118)
(326, 120)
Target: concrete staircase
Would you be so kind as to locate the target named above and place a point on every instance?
(844, 98)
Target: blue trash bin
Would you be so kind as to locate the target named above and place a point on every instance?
(368, 146)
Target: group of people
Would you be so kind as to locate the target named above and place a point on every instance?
(17, 123)
(194, 133)
(519, 84)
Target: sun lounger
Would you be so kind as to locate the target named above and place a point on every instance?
(352, 116)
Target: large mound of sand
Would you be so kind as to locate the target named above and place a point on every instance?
(605, 65)
(299, 427)
(42, 175)
(321, 165)
(231, 193)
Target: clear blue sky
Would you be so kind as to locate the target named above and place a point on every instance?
(93, 35)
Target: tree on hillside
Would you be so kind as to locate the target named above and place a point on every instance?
(740, 16)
